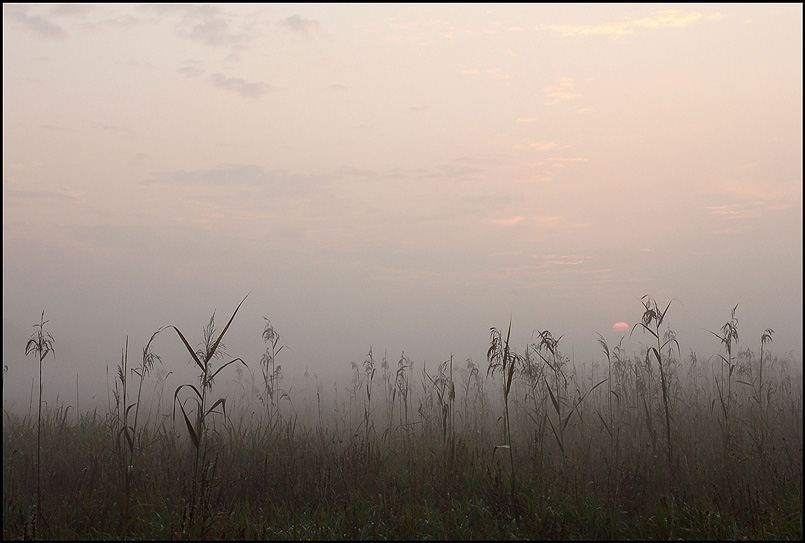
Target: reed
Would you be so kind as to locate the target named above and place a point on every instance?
(210, 348)
(652, 321)
(728, 337)
(501, 357)
(575, 457)
(272, 373)
(40, 345)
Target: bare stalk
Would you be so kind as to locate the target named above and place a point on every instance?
(39, 344)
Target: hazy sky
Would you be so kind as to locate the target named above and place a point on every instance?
(397, 176)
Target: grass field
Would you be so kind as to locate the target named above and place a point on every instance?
(522, 445)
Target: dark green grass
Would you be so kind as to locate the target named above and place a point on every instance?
(304, 487)
(649, 455)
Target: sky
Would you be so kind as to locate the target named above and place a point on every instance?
(400, 177)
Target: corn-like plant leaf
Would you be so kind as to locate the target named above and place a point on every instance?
(217, 341)
(189, 349)
(662, 315)
(190, 429)
(495, 449)
(553, 399)
(125, 431)
(556, 436)
(606, 426)
(221, 402)
(581, 399)
(190, 386)
(225, 365)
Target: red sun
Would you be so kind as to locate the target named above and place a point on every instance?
(620, 327)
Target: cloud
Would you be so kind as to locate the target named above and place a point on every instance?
(508, 221)
(17, 197)
(418, 109)
(35, 23)
(542, 145)
(226, 174)
(670, 18)
(748, 210)
(249, 89)
(55, 128)
(213, 31)
(543, 220)
(188, 10)
(546, 261)
(561, 92)
(664, 19)
(305, 28)
(573, 159)
(71, 9)
(121, 131)
(190, 71)
(247, 176)
(498, 73)
(726, 231)
(210, 25)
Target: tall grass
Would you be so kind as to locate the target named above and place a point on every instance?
(728, 337)
(536, 447)
(652, 321)
(203, 356)
(39, 344)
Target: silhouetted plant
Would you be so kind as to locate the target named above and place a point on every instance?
(129, 431)
(728, 337)
(39, 344)
(501, 356)
(272, 373)
(369, 370)
(651, 323)
(203, 357)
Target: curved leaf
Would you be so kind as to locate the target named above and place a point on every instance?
(190, 428)
(189, 348)
(221, 401)
(217, 341)
(225, 365)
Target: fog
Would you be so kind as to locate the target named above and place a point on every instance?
(394, 177)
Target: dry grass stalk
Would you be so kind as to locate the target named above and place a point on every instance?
(39, 344)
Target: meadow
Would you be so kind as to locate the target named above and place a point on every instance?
(651, 444)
